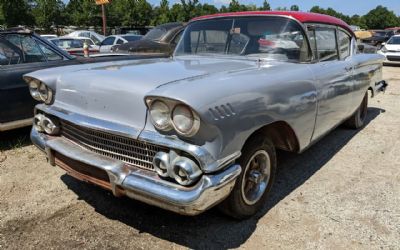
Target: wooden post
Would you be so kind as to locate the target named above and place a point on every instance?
(103, 11)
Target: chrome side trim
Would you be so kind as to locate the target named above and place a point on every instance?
(15, 124)
(210, 189)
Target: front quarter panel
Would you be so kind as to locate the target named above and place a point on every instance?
(233, 105)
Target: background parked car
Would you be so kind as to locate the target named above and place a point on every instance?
(106, 44)
(49, 36)
(391, 50)
(21, 52)
(379, 37)
(74, 46)
(161, 39)
(96, 37)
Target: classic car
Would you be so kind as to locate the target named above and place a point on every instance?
(202, 128)
(391, 50)
(21, 52)
(162, 39)
(379, 37)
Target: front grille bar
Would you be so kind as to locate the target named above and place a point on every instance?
(128, 150)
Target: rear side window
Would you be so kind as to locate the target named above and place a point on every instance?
(30, 49)
(325, 41)
(8, 56)
(344, 44)
(50, 54)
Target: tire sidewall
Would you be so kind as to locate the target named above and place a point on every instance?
(249, 150)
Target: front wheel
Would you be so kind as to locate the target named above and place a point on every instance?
(250, 192)
(357, 120)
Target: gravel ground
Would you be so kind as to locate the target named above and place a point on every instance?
(342, 193)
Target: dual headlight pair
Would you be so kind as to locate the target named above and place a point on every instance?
(40, 92)
(169, 114)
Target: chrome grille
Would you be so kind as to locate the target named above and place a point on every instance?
(125, 149)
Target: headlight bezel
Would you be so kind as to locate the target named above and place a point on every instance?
(172, 105)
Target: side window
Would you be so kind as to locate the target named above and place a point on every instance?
(8, 56)
(94, 39)
(313, 42)
(108, 41)
(50, 54)
(120, 41)
(326, 44)
(30, 49)
(177, 37)
(344, 44)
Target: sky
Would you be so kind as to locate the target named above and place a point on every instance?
(348, 7)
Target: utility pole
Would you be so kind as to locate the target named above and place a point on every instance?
(103, 13)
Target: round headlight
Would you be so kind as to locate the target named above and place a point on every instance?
(45, 93)
(185, 121)
(160, 115)
(34, 89)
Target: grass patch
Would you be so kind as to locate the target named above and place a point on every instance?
(14, 139)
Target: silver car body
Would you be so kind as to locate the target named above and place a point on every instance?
(233, 97)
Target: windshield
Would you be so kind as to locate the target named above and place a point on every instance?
(276, 38)
(155, 34)
(394, 40)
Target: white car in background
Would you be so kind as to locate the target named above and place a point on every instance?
(49, 36)
(110, 41)
(95, 37)
(391, 50)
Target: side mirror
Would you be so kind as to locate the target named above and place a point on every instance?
(361, 47)
(383, 44)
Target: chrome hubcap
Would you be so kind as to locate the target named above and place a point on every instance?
(256, 177)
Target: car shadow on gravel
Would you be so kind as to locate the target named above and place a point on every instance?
(212, 229)
(15, 138)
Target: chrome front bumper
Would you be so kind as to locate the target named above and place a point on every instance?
(209, 191)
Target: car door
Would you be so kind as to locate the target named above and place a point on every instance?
(107, 44)
(334, 79)
(23, 54)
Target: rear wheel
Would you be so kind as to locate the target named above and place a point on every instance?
(357, 120)
(250, 192)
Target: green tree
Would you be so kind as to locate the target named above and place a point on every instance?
(207, 9)
(48, 12)
(265, 6)
(380, 18)
(330, 12)
(1, 15)
(16, 12)
(294, 8)
(189, 9)
(83, 13)
(161, 13)
(176, 13)
(358, 21)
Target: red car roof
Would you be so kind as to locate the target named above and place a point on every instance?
(303, 17)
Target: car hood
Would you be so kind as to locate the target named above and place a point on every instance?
(393, 47)
(115, 91)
